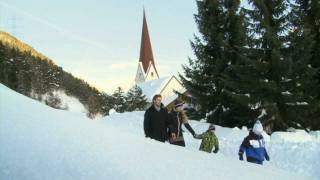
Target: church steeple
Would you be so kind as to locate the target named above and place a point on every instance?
(146, 59)
(146, 55)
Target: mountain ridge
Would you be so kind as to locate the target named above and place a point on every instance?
(29, 72)
(13, 42)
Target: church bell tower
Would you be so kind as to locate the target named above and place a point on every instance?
(146, 68)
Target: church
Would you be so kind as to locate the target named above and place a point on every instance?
(147, 76)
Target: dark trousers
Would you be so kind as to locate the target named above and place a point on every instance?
(179, 143)
(253, 160)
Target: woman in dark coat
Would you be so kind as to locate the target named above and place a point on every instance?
(176, 118)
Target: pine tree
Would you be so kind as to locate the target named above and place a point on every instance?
(136, 100)
(2, 61)
(311, 10)
(218, 48)
(119, 100)
(105, 103)
(12, 71)
(302, 43)
(23, 74)
(236, 53)
(93, 105)
(268, 80)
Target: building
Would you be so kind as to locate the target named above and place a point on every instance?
(147, 76)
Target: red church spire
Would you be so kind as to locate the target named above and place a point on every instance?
(146, 55)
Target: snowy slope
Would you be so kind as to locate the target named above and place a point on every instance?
(38, 142)
(292, 151)
(69, 103)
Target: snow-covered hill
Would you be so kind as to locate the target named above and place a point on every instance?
(68, 103)
(297, 152)
(38, 142)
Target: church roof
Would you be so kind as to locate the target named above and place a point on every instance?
(151, 88)
(146, 55)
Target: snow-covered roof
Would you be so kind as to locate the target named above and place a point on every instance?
(153, 87)
(168, 99)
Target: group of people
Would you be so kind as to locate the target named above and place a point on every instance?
(161, 125)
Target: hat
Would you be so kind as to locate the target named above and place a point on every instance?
(257, 128)
(178, 103)
(212, 127)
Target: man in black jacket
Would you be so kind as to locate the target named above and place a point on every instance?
(156, 122)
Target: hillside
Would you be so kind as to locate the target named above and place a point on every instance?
(29, 72)
(35, 147)
(12, 42)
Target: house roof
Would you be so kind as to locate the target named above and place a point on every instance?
(153, 87)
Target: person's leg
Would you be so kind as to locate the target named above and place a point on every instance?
(179, 143)
(254, 160)
(183, 144)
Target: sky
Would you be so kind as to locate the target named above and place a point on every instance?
(99, 40)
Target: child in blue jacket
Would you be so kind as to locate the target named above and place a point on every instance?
(254, 145)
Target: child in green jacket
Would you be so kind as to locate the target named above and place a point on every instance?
(209, 140)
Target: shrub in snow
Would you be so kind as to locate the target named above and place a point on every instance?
(53, 100)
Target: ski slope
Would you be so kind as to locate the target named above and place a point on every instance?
(39, 142)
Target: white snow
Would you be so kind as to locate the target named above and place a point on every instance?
(151, 88)
(168, 99)
(316, 135)
(70, 103)
(286, 93)
(263, 113)
(301, 103)
(39, 142)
